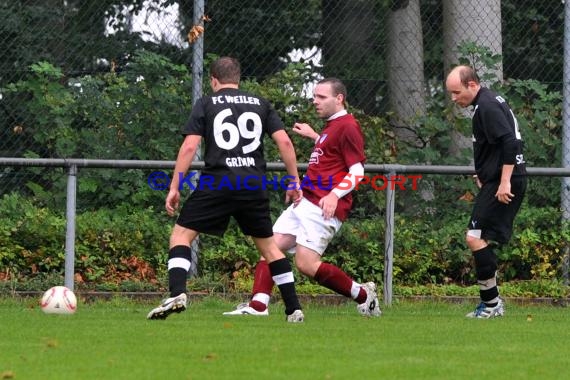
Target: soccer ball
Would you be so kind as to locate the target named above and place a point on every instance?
(58, 300)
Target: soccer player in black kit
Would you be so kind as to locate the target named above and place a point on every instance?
(233, 124)
(501, 178)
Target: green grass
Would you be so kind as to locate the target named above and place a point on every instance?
(412, 340)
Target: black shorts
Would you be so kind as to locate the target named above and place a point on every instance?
(208, 212)
(493, 218)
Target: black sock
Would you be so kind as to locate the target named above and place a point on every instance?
(177, 274)
(283, 277)
(486, 269)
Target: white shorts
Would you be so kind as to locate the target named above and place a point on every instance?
(307, 224)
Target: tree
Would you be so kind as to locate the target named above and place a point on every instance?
(352, 43)
(405, 66)
(532, 40)
(71, 35)
(260, 33)
(477, 23)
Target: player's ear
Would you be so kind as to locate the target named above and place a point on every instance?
(471, 84)
(214, 82)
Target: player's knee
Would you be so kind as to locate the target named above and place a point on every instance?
(182, 236)
(473, 240)
(304, 267)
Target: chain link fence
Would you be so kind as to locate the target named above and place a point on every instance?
(67, 69)
(392, 54)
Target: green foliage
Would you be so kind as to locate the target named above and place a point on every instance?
(429, 253)
(227, 258)
(358, 251)
(436, 253)
(135, 114)
(481, 58)
(121, 244)
(532, 46)
(537, 250)
(379, 139)
(49, 110)
(537, 288)
(31, 238)
(126, 249)
(139, 109)
(112, 245)
(437, 290)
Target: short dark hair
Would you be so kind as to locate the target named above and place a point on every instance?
(226, 70)
(337, 86)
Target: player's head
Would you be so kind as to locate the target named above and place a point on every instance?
(226, 70)
(329, 97)
(463, 84)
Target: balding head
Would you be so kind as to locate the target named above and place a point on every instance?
(462, 83)
(465, 74)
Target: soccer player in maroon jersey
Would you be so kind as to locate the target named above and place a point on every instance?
(232, 124)
(500, 175)
(308, 225)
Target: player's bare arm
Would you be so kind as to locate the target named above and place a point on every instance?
(287, 153)
(184, 160)
(504, 194)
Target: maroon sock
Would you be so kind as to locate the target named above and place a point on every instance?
(257, 305)
(262, 283)
(335, 279)
(361, 296)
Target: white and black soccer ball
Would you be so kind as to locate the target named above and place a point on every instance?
(58, 300)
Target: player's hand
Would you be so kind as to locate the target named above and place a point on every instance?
(504, 194)
(477, 181)
(172, 201)
(293, 195)
(328, 204)
(305, 130)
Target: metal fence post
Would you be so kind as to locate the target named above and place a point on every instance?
(70, 227)
(389, 241)
(565, 191)
(197, 83)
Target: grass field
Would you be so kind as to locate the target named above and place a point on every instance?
(412, 340)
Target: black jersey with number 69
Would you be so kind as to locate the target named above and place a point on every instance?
(233, 124)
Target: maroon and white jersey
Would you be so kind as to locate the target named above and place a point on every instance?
(340, 145)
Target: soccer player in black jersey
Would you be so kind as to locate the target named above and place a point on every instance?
(232, 124)
(500, 175)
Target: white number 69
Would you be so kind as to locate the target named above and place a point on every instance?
(235, 132)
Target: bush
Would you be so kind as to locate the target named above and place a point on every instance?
(112, 245)
(128, 248)
(123, 242)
